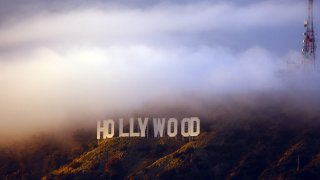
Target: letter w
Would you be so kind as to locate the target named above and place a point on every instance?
(158, 126)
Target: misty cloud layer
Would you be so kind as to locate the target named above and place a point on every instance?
(85, 62)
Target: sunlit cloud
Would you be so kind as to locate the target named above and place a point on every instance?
(87, 62)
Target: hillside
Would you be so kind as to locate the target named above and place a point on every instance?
(247, 149)
(237, 141)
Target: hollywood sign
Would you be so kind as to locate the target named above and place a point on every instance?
(189, 127)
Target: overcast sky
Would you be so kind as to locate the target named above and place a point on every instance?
(275, 25)
(61, 58)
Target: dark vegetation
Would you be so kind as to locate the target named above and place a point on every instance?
(246, 142)
(40, 154)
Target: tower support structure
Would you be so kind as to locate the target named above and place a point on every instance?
(309, 41)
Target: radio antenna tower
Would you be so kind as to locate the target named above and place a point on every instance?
(309, 45)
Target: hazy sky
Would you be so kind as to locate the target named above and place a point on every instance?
(275, 25)
(60, 60)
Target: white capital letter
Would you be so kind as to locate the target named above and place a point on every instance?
(142, 126)
(158, 126)
(132, 133)
(172, 127)
(106, 128)
(185, 127)
(121, 133)
(194, 126)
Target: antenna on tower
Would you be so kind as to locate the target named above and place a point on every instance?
(309, 45)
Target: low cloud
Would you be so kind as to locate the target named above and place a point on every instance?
(123, 25)
(85, 64)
